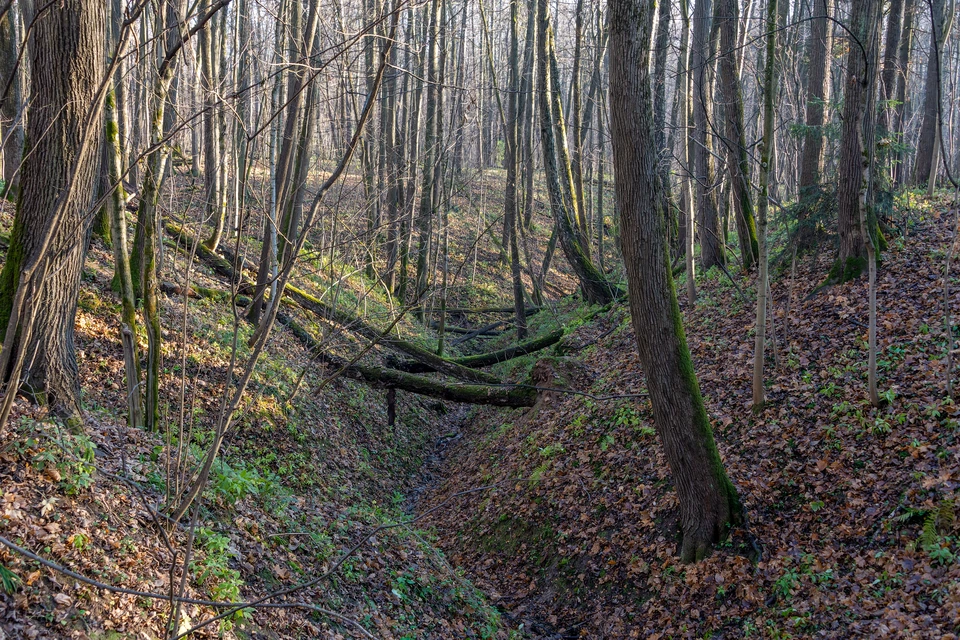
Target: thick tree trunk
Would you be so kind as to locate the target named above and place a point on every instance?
(818, 92)
(857, 119)
(66, 55)
(708, 501)
(931, 97)
(711, 240)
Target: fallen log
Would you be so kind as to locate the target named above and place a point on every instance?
(483, 359)
(416, 352)
(529, 311)
(486, 330)
(343, 318)
(220, 265)
(500, 396)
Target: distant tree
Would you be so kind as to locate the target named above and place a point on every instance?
(708, 217)
(709, 504)
(556, 161)
(928, 144)
(11, 128)
(735, 135)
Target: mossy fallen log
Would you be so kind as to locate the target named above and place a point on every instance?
(484, 359)
(220, 265)
(347, 320)
(381, 377)
(369, 332)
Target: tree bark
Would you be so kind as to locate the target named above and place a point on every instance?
(66, 55)
(711, 240)
(857, 118)
(735, 142)
(709, 504)
(931, 96)
(769, 90)
(888, 81)
(903, 67)
(12, 126)
(595, 286)
(819, 44)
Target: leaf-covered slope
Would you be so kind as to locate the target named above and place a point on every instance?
(852, 510)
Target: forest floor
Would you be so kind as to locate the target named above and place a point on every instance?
(852, 527)
(552, 522)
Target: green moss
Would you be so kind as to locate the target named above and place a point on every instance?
(10, 276)
(703, 429)
(850, 269)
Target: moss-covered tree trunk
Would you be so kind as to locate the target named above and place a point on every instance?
(708, 218)
(708, 501)
(594, 284)
(431, 151)
(146, 254)
(50, 228)
(116, 213)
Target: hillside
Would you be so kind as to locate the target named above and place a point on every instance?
(852, 527)
(554, 521)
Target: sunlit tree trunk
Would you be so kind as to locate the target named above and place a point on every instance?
(40, 280)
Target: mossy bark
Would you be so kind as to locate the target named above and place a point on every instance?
(709, 504)
(41, 278)
(501, 396)
(484, 359)
(596, 287)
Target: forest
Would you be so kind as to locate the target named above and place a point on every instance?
(494, 319)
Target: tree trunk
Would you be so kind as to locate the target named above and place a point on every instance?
(511, 157)
(857, 118)
(595, 286)
(888, 82)
(931, 96)
(735, 142)
(769, 89)
(431, 144)
(216, 211)
(11, 128)
(903, 67)
(711, 240)
(50, 228)
(708, 501)
(819, 44)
